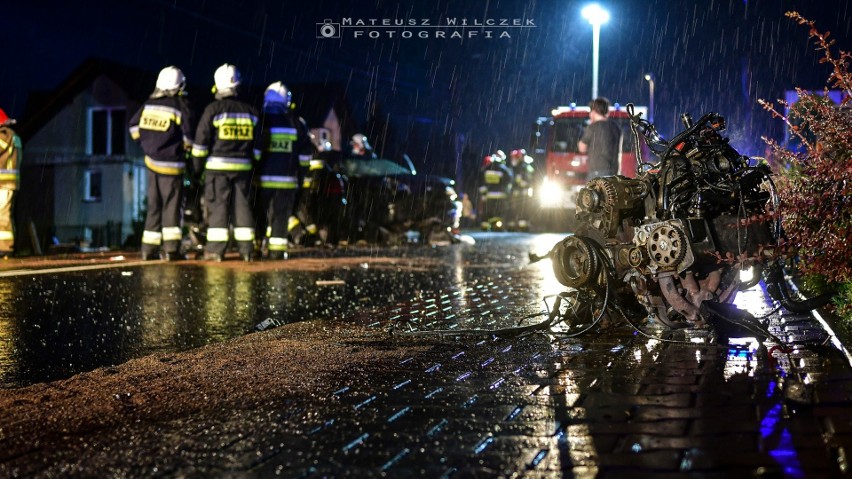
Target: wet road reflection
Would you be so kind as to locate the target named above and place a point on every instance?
(55, 325)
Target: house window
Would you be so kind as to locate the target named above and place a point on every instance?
(92, 182)
(107, 131)
(322, 138)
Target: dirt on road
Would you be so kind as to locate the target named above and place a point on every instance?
(64, 419)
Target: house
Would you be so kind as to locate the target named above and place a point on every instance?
(83, 180)
(327, 113)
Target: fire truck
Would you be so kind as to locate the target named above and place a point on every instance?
(554, 145)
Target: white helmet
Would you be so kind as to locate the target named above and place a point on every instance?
(277, 93)
(171, 79)
(359, 139)
(226, 77)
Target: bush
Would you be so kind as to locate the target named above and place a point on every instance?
(815, 184)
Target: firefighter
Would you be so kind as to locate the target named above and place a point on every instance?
(163, 127)
(285, 144)
(303, 227)
(494, 192)
(10, 157)
(225, 143)
(318, 220)
(360, 147)
(522, 171)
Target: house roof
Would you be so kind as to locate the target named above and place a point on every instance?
(43, 105)
(313, 100)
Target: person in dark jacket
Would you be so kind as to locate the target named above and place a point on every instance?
(285, 144)
(522, 189)
(601, 140)
(494, 192)
(163, 127)
(226, 143)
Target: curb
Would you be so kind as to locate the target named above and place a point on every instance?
(838, 329)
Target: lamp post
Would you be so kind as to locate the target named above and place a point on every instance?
(650, 78)
(597, 16)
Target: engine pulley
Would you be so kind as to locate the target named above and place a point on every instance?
(667, 245)
(575, 263)
(589, 200)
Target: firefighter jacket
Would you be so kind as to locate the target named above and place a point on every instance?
(286, 150)
(10, 157)
(496, 180)
(523, 173)
(163, 127)
(226, 136)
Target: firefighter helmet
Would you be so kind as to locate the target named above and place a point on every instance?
(486, 162)
(171, 80)
(4, 119)
(360, 140)
(226, 77)
(500, 155)
(277, 93)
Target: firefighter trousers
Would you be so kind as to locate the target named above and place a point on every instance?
(7, 228)
(227, 195)
(275, 207)
(162, 223)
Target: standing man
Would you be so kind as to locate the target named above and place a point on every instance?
(601, 140)
(163, 127)
(10, 157)
(285, 143)
(226, 136)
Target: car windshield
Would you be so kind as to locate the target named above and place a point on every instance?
(566, 133)
(373, 167)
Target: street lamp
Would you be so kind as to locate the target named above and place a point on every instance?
(597, 16)
(650, 78)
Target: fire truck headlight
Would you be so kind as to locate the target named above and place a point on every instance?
(550, 195)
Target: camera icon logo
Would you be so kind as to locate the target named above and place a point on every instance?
(328, 29)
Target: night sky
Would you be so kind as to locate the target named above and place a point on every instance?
(707, 55)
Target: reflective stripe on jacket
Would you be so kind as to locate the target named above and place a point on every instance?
(280, 182)
(224, 163)
(165, 167)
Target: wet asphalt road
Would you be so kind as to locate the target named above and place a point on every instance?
(56, 325)
(611, 403)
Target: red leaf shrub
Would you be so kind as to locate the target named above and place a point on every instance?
(815, 182)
